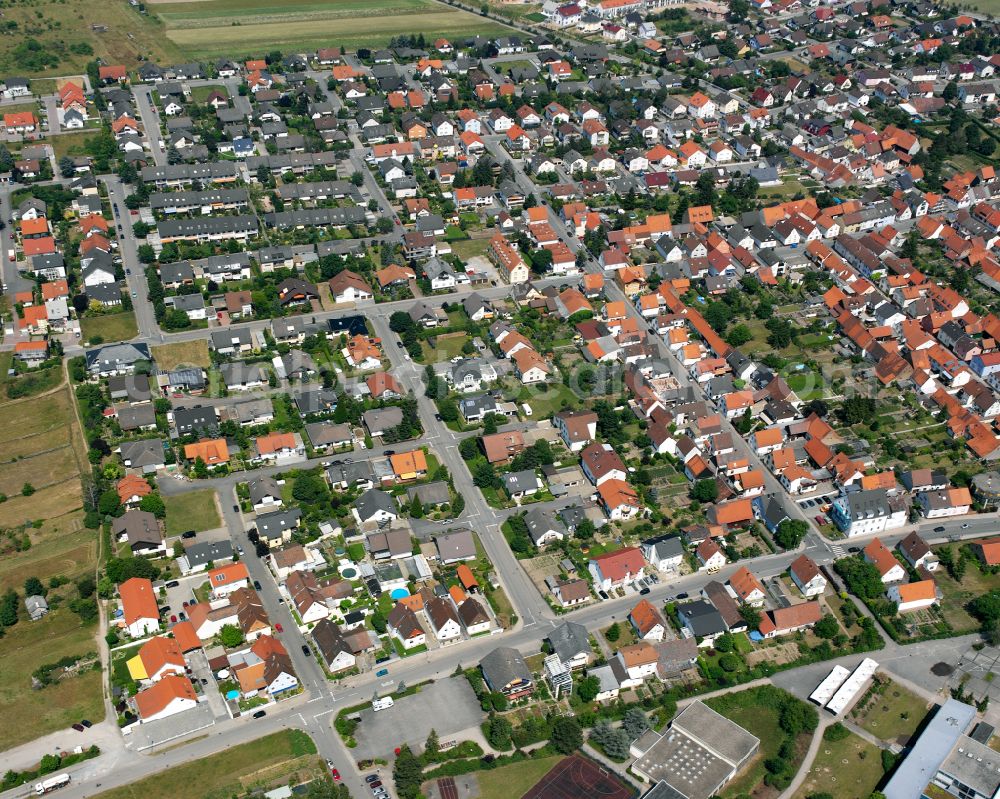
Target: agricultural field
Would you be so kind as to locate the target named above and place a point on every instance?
(43, 454)
(42, 536)
(286, 757)
(27, 646)
(67, 40)
(207, 28)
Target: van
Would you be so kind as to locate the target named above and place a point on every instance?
(382, 704)
(526, 408)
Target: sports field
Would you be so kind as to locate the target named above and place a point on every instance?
(209, 28)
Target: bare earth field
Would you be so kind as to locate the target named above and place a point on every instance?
(206, 28)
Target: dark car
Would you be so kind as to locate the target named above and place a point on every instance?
(938, 529)
(87, 724)
(188, 534)
(399, 344)
(375, 785)
(854, 549)
(388, 452)
(371, 778)
(644, 591)
(260, 714)
(78, 727)
(236, 508)
(683, 595)
(173, 584)
(256, 584)
(306, 650)
(437, 417)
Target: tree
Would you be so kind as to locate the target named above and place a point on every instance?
(152, 503)
(705, 491)
(857, 409)
(797, 717)
(468, 448)
(231, 636)
(566, 735)
(27, 490)
(613, 633)
(827, 627)
(615, 743)
(66, 167)
(635, 722)
(109, 504)
(407, 773)
(498, 732)
(416, 507)
(750, 615)
(309, 488)
(836, 732)
(738, 336)
(588, 688)
(432, 746)
(950, 91)
(33, 587)
(730, 662)
(790, 533)
(9, 606)
(724, 643)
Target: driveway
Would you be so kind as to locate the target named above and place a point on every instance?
(411, 718)
(161, 731)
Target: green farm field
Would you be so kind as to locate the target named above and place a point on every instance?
(208, 28)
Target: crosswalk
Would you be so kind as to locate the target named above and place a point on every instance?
(838, 551)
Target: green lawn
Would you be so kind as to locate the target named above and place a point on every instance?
(28, 645)
(194, 510)
(515, 780)
(956, 596)
(276, 759)
(470, 248)
(445, 347)
(755, 711)
(546, 399)
(892, 716)
(110, 327)
(847, 769)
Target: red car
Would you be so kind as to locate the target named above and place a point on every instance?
(278, 627)
(173, 619)
(336, 774)
(819, 520)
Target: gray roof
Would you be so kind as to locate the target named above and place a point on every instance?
(503, 666)
(325, 433)
(271, 525)
(378, 420)
(262, 487)
(702, 618)
(198, 554)
(727, 738)
(456, 545)
(148, 452)
(139, 526)
(569, 640)
(115, 356)
(132, 417)
(939, 737)
(664, 548)
(524, 480)
(541, 521)
(435, 493)
(195, 418)
(373, 501)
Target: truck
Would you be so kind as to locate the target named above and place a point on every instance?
(52, 784)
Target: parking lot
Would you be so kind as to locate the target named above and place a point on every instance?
(411, 718)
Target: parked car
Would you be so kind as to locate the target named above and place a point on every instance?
(644, 591)
(256, 585)
(87, 724)
(78, 727)
(173, 584)
(371, 778)
(236, 508)
(173, 620)
(939, 529)
(260, 714)
(278, 627)
(819, 520)
(381, 672)
(683, 595)
(189, 534)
